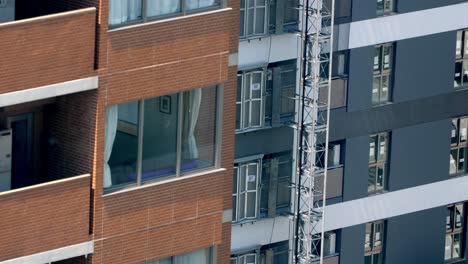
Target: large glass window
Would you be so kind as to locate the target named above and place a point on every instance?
(383, 74)
(249, 258)
(461, 57)
(378, 163)
(385, 7)
(374, 243)
(128, 11)
(455, 224)
(246, 190)
(250, 100)
(202, 256)
(170, 135)
(459, 146)
(253, 18)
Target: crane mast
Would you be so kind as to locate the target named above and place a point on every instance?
(313, 95)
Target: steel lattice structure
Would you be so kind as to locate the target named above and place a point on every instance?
(312, 128)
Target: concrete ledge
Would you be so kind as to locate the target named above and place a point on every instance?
(49, 91)
(55, 254)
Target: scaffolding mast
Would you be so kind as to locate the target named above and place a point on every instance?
(316, 37)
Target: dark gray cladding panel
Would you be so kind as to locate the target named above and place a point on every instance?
(424, 66)
(360, 78)
(352, 245)
(415, 5)
(353, 124)
(356, 168)
(364, 9)
(419, 154)
(264, 141)
(416, 238)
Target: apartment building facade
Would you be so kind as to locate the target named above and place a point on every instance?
(396, 187)
(117, 130)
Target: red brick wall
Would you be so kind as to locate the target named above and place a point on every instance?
(47, 50)
(44, 217)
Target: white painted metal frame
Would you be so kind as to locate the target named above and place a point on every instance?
(312, 128)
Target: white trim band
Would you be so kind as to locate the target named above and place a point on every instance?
(55, 254)
(49, 91)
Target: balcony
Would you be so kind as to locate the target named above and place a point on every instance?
(44, 48)
(44, 217)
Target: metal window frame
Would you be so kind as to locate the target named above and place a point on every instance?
(387, 10)
(242, 258)
(259, 163)
(242, 127)
(373, 250)
(457, 231)
(246, 19)
(382, 73)
(380, 162)
(463, 58)
(458, 146)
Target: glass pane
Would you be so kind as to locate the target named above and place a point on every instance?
(162, 7)
(454, 135)
(457, 246)
(251, 259)
(256, 86)
(291, 12)
(449, 219)
(233, 260)
(243, 177)
(459, 216)
(252, 176)
(448, 247)
(251, 204)
(463, 129)
(367, 243)
(198, 129)
(160, 261)
(256, 113)
(458, 74)
(388, 8)
(372, 149)
(238, 115)
(283, 197)
(387, 54)
(380, 7)
(121, 148)
(458, 49)
(334, 155)
(260, 20)
(239, 88)
(380, 178)
(242, 23)
(382, 147)
(465, 48)
(461, 159)
(378, 259)
(375, 90)
(378, 239)
(250, 18)
(368, 259)
(235, 178)
(121, 11)
(246, 116)
(201, 256)
(453, 159)
(465, 73)
(241, 205)
(234, 208)
(377, 59)
(160, 137)
(385, 89)
(196, 4)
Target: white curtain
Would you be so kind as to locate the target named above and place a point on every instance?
(194, 4)
(112, 115)
(196, 257)
(161, 7)
(124, 10)
(195, 102)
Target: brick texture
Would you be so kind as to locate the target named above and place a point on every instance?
(44, 217)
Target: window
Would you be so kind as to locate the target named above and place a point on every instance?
(382, 83)
(459, 146)
(329, 248)
(283, 16)
(123, 12)
(374, 243)
(249, 258)
(455, 224)
(385, 7)
(334, 155)
(250, 100)
(246, 190)
(461, 57)
(253, 18)
(202, 256)
(170, 135)
(378, 163)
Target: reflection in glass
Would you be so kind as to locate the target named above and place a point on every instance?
(162, 7)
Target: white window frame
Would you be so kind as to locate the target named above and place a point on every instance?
(246, 101)
(244, 190)
(242, 259)
(254, 8)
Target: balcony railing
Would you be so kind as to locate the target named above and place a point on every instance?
(44, 217)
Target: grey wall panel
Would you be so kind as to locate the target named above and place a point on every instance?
(363, 9)
(415, 5)
(264, 141)
(353, 124)
(360, 78)
(419, 154)
(416, 238)
(424, 66)
(356, 168)
(352, 245)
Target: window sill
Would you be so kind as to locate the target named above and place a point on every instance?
(161, 181)
(382, 104)
(137, 24)
(246, 221)
(255, 37)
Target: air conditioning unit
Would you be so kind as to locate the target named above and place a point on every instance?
(5, 159)
(7, 10)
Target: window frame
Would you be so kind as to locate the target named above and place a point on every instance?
(238, 257)
(461, 147)
(461, 59)
(239, 191)
(454, 231)
(377, 162)
(373, 250)
(147, 19)
(387, 9)
(382, 73)
(218, 123)
(244, 8)
(243, 101)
